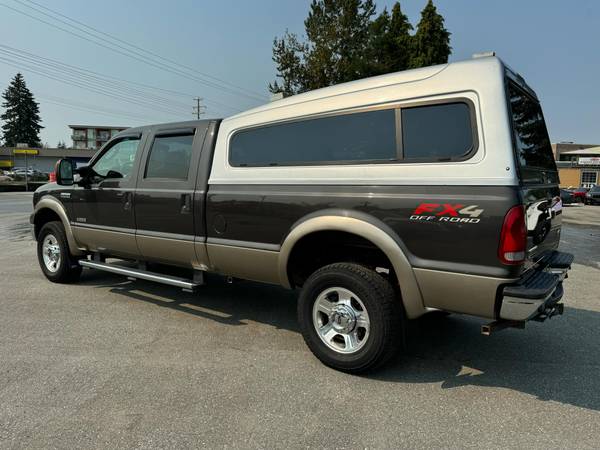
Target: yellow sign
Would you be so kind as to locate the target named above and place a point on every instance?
(25, 151)
(5, 163)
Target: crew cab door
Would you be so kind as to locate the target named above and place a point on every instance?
(103, 209)
(164, 199)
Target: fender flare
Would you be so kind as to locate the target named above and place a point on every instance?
(55, 206)
(369, 228)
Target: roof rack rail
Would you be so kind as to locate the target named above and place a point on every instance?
(483, 55)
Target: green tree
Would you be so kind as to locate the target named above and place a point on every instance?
(346, 41)
(288, 55)
(21, 117)
(431, 43)
(389, 43)
(337, 33)
(400, 28)
(380, 45)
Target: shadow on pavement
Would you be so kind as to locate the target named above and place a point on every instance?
(558, 360)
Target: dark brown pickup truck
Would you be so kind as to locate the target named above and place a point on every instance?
(381, 200)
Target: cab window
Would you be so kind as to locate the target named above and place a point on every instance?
(170, 157)
(117, 161)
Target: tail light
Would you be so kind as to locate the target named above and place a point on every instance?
(513, 237)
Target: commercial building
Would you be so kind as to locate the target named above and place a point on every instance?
(92, 136)
(42, 159)
(578, 164)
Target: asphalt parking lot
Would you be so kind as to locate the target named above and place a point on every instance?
(114, 363)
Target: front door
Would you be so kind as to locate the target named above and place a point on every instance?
(103, 210)
(164, 198)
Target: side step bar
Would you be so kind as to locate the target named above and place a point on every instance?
(183, 283)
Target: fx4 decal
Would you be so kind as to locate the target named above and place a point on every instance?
(447, 212)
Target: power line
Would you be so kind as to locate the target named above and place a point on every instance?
(92, 108)
(89, 110)
(89, 87)
(96, 30)
(123, 50)
(71, 74)
(103, 78)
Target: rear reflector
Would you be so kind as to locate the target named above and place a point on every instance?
(513, 237)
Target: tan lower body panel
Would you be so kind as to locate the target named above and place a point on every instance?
(178, 252)
(247, 263)
(105, 241)
(462, 293)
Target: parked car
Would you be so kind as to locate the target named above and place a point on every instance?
(23, 171)
(579, 194)
(567, 197)
(382, 200)
(593, 196)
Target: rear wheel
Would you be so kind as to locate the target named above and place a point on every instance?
(350, 317)
(56, 262)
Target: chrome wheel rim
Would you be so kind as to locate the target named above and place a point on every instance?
(51, 253)
(341, 320)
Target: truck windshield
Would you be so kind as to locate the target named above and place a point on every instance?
(532, 144)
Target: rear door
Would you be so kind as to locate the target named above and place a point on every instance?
(537, 170)
(164, 198)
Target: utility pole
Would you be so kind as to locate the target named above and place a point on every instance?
(26, 173)
(198, 110)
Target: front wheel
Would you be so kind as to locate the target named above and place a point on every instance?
(56, 262)
(350, 317)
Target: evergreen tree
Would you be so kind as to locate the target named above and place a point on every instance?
(345, 43)
(337, 32)
(431, 43)
(389, 43)
(288, 55)
(400, 51)
(380, 46)
(21, 117)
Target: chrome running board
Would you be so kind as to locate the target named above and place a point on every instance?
(129, 272)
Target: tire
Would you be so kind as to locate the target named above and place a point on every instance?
(350, 317)
(56, 262)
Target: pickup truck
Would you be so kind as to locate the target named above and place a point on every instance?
(380, 200)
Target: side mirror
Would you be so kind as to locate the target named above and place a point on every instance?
(64, 172)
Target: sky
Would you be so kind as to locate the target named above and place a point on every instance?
(553, 44)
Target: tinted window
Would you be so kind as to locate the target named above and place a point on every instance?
(530, 134)
(170, 157)
(118, 159)
(437, 131)
(367, 136)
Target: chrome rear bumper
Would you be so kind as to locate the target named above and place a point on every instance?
(537, 294)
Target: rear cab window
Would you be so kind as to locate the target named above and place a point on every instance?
(533, 151)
